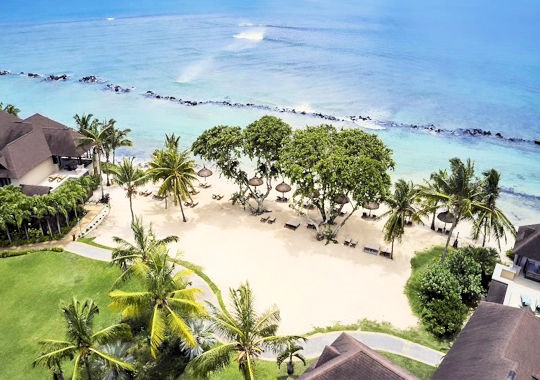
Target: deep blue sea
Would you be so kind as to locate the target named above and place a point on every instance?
(455, 65)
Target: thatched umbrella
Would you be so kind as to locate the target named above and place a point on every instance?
(371, 206)
(446, 217)
(283, 188)
(342, 199)
(204, 173)
(255, 181)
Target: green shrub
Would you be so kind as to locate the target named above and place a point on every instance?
(468, 273)
(27, 251)
(510, 254)
(438, 283)
(444, 317)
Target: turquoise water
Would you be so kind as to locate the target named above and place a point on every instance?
(457, 65)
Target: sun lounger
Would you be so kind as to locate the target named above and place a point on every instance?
(525, 300)
(292, 225)
(264, 219)
(52, 178)
(385, 254)
(158, 197)
(187, 204)
(347, 241)
(353, 243)
(194, 204)
(282, 199)
(440, 230)
(219, 197)
(271, 220)
(364, 214)
(194, 192)
(60, 178)
(311, 226)
(371, 250)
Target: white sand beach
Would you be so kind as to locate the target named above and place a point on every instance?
(313, 284)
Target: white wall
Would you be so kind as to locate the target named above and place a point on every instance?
(37, 174)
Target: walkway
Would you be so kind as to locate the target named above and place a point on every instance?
(377, 341)
(90, 251)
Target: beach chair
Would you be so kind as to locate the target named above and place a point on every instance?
(353, 244)
(194, 192)
(384, 253)
(219, 197)
(194, 204)
(525, 300)
(371, 250)
(347, 241)
(292, 225)
(311, 226)
(187, 204)
(272, 220)
(52, 178)
(264, 219)
(439, 230)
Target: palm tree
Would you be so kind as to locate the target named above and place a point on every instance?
(145, 243)
(204, 338)
(85, 121)
(96, 136)
(432, 205)
(245, 332)
(176, 170)
(164, 296)
(460, 192)
(491, 220)
(401, 205)
(172, 142)
(130, 177)
(117, 139)
(290, 352)
(82, 341)
(10, 108)
(107, 146)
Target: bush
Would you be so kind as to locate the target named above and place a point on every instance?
(468, 273)
(444, 318)
(27, 251)
(438, 283)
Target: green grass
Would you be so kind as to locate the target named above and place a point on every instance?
(90, 241)
(423, 371)
(32, 289)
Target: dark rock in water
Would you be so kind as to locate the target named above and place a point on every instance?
(498, 135)
(537, 142)
(91, 79)
(32, 75)
(57, 77)
(5, 72)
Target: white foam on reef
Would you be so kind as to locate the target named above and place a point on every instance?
(194, 71)
(252, 35)
(244, 24)
(304, 107)
(110, 19)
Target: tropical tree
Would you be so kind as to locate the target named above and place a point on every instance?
(96, 136)
(204, 338)
(85, 121)
(228, 147)
(118, 139)
(291, 351)
(145, 242)
(331, 168)
(245, 333)
(460, 191)
(176, 170)
(490, 220)
(162, 295)
(10, 108)
(402, 205)
(82, 342)
(129, 177)
(110, 370)
(431, 205)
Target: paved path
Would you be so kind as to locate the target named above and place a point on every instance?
(315, 344)
(377, 341)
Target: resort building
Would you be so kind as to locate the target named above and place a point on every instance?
(347, 358)
(498, 342)
(519, 285)
(39, 154)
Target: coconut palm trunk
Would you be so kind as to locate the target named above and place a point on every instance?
(88, 370)
(454, 224)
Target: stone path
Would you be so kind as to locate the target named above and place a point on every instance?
(90, 251)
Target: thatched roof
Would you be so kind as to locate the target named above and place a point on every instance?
(498, 342)
(528, 242)
(347, 358)
(496, 292)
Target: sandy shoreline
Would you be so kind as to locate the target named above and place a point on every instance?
(312, 284)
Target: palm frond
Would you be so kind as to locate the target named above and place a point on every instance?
(113, 360)
(212, 360)
(121, 299)
(157, 330)
(112, 333)
(179, 327)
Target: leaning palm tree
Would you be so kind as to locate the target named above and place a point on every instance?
(85, 121)
(130, 177)
(96, 136)
(109, 125)
(10, 108)
(163, 295)
(245, 333)
(291, 351)
(432, 205)
(118, 139)
(402, 204)
(176, 170)
(491, 220)
(145, 242)
(460, 191)
(82, 342)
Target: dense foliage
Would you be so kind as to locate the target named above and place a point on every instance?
(25, 219)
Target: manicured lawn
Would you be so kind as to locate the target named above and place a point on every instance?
(32, 289)
(423, 371)
(90, 241)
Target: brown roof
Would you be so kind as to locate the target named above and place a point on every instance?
(35, 190)
(528, 241)
(498, 342)
(24, 144)
(496, 292)
(348, 359)
(62, 140)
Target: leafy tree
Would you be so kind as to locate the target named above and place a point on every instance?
(329, 167)
(486, 258)
(291, 351)
(175, 169)
(162, 294)
(490, 220)
(145, 243)
(245, 333)
(82, 342)
(468, 273)
(130, 177)
(460, 192)
(228, 147)
(401, 205)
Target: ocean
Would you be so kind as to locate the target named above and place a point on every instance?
(447, 66)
